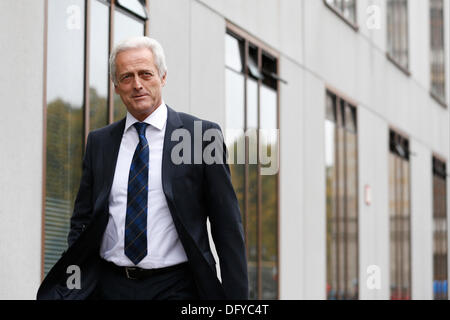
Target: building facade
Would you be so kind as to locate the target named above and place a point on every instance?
(335, 115)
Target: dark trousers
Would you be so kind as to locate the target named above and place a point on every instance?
(176, 284)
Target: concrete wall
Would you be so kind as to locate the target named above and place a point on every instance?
(355, 64)
(21, 141)
(292, 157)
(317, 49)
(170, 25)
(373, 146)
(422, 222)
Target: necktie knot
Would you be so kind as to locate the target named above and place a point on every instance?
(140, 128)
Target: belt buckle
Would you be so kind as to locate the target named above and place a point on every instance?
(128, 275)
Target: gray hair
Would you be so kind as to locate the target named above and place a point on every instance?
(137, 43)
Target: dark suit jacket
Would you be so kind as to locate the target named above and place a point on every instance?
(193, 192)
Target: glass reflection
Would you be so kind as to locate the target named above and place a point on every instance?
(233, 53)
(400, 235)
(124, 27)
(269, 195)
(134, 6)
(392, 225)
(341, 213)
(351, 215)
(330, 172)
(234, 111)
(330, 175)
(341, 161)
(406, 234)
(440, 278)
(64, 121)
(252, 214)
(234, 133)
(437, 51)
(261, 223)
(397, 31)
(345, 7)
(98, 65)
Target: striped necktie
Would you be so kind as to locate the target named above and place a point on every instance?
(136, 219)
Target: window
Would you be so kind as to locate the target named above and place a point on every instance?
(341, 171)
(98, 65)
(125, 25)
(397, 33)
(400, 217)
(65, 101)
(437, 50)
(137, 7)
(346, 9)
(252, 120)
(440, 248)
(79, 99)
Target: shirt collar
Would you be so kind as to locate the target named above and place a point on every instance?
(157, 118)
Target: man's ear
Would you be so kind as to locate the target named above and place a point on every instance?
(115, 88)
(163, 79)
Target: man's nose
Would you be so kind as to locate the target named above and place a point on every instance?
(137, 83)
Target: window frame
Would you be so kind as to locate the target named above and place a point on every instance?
(341, 101)
(262, 48)
(397, 33)
(399, 138)
(86, 98)
(442, 101)
(352, 24)
(131, 12)
(113, 7)
(441, 174)
(389, 55)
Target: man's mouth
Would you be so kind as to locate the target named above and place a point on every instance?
(141, 96)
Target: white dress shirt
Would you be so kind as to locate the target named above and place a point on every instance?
(163, 245)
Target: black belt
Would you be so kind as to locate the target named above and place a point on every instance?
(136, 273)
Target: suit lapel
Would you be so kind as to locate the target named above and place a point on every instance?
(110, 154)
(173, 122)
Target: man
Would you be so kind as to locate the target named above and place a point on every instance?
(138, 230)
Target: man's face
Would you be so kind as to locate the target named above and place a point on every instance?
(139, 84)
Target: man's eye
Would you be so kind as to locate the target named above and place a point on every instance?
(125, 77)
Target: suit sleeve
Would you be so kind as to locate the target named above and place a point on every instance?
(83, 203)
(226, 225)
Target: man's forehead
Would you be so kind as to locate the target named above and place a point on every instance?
(139, 54)
(135, 58)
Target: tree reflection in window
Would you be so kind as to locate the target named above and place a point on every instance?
(397, 32)
(66, 100)
(400, 218)
(251, 105)
(341, 162)
(440, 234)
(437, 51)
(98, 65)
(64, 122)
